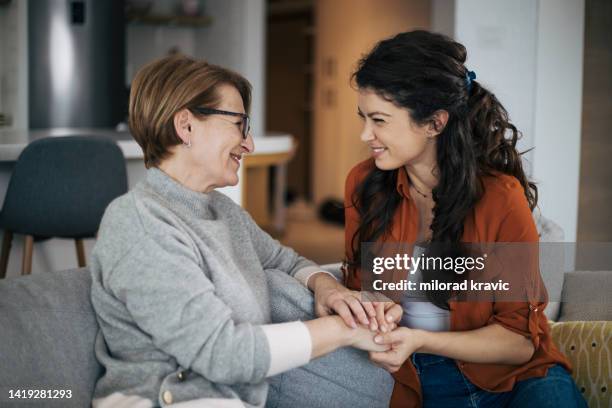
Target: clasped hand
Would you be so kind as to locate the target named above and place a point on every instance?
(388, 345)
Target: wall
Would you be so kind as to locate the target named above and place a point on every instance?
(529, 53)
(500, 38)
(338, 47)
(556, 160)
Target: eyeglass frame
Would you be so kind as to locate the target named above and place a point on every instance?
(246, 119)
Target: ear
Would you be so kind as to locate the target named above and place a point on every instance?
(182, 125)
(437, 122)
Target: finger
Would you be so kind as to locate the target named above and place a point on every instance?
(393, 337)
(377, 364)
(344, 312)
(394, 314)
(384, 358)
(390, 360)
(392, 368)
(369, 308)
(380, 316)
(358, 310)
(389, 367)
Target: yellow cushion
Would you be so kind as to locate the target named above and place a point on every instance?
(588, 346)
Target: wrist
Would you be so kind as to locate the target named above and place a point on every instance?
(421, 339)
(321, 280)
(345, 334)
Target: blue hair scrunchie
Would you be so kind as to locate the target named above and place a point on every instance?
(469, 78)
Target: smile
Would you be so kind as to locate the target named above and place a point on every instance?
(236, 157)
(377, 151)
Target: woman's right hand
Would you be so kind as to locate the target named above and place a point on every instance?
(352, 306)
(331, 297)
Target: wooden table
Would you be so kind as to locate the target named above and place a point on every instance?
(256, 198)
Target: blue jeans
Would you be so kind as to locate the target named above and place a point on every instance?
(443, 385)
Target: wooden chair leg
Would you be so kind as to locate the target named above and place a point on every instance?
(80, 249)
(28, 247)
(6, 249)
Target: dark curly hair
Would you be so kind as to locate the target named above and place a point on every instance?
(424, 72)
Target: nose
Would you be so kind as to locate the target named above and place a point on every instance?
(366, 134)
(248, 144)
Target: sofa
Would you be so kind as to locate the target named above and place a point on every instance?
(47, 332)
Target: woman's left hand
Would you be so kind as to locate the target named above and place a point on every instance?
(403, 342)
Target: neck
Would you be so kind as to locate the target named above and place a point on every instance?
(422, 176)
(178, 168)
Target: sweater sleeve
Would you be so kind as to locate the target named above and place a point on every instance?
(273, 255)
(171, 299)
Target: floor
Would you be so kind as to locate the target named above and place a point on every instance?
(317, 240)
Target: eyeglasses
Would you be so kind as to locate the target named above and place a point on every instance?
(245, 127)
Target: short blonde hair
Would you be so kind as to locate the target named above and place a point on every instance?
(166, 86)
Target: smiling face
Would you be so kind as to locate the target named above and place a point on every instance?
(394, 139)
(216, 145)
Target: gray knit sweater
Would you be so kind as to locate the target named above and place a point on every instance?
(180, 294)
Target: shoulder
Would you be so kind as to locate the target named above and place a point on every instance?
(132, 219)
(358, 173)
(139, 212)
(503, 213)
(502, 191)
(120, 212)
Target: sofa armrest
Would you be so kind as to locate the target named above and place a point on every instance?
(588, 347)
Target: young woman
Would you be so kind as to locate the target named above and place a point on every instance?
(445, 169)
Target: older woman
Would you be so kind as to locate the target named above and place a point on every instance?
(180, 272)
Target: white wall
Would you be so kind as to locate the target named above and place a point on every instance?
(529, 53)
(558, 110)
(500, 37)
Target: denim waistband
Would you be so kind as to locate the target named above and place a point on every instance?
(420, 360)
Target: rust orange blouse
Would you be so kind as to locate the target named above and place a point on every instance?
(502, 215)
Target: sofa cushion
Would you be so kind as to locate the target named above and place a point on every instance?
(47, 336)
(586, 296)
(588, 346)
